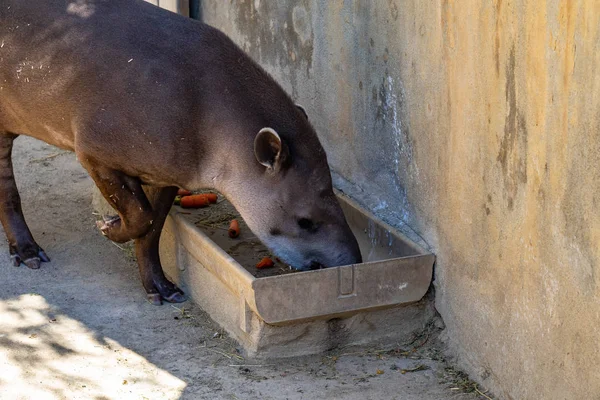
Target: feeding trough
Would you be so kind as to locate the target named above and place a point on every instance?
(282, 314)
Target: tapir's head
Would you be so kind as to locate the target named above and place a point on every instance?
(286, 197)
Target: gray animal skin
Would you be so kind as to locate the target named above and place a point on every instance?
(147, 97)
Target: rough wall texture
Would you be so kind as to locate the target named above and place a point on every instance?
(478, 125)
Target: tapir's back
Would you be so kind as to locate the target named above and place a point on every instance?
(76, 25)
(108, 51)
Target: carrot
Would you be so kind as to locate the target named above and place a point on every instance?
(194, 201)
(177, 200)
(265, 263)
(234, 229)
(212, 197)
(183, 192)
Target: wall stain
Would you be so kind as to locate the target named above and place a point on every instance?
(497, 36)
(276, 35)
(393, 10)
(487, 205)
(513, 147)
(389, 117)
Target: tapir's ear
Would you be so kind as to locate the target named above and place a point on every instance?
(302, 110)
(269, 149)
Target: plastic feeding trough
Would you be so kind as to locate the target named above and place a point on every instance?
(278, 312)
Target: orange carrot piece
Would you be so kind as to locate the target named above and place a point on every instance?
(265, 263)
(212, 197)
(194, 201)
(209, 197)
(234, 229)
(183, 192)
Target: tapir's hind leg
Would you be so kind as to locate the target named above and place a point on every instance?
(23, 249)
(146, 248)
(126, 196)
(141, 217)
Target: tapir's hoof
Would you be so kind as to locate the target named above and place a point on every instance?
(32, 262)
(16, 260)
(154, 298)
(176, 298)
(43, 256)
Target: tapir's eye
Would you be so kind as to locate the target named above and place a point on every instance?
(307, 225)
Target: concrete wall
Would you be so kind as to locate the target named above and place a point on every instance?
(478, 125)
(178, 6)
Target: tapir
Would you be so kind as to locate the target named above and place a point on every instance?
(151, 101)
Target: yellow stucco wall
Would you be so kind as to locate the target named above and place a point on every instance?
(477, 123)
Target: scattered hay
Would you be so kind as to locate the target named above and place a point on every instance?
(459, 381)
(48, 158)
(420, 367)
(216, 220)
(183, 313)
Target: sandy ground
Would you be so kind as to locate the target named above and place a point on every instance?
(80, 327)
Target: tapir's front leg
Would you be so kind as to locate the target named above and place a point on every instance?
(146, 248)
(20, 241)
(126, 196)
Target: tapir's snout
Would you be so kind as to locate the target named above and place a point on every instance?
(331, 245)
(339, 260)
(333, 252)
(353, 255)
(350, 253)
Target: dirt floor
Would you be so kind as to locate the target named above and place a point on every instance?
(81, 328)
